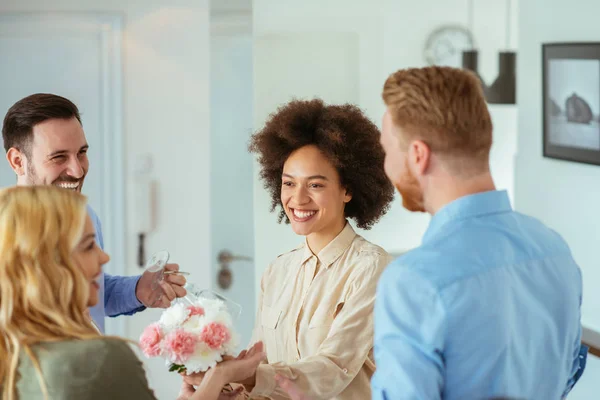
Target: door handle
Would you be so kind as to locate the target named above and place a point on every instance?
(225, 257)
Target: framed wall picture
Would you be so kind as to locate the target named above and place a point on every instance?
(571, 101)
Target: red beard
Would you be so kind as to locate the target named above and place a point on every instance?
(412, 196)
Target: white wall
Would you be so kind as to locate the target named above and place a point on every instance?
(564, 195)
(391, 35)
(166, 115)
(407, 25)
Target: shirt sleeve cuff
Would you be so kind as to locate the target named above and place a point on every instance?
(265, 381)
(133, 300)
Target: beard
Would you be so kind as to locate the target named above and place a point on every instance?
(33, 179)
(409, 189)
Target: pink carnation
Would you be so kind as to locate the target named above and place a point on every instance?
(179, 345)
(150, 340)
(214, 335)
(196, 310)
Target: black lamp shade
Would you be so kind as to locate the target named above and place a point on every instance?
(503, 90)
(470, 61)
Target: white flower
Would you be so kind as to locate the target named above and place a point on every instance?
(202, 359)
(230, 347)
(220, 316)
(174, 316)
(211, 304)
(195, 324)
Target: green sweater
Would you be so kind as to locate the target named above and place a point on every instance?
(101, 368)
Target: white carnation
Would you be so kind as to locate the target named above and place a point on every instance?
(174, 316)
(219, 316)
(230, 347)
(202, 359)
(211, 304)
(195, 324)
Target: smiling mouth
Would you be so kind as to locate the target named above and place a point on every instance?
(68, 185)
(96, 279)
(302, 215)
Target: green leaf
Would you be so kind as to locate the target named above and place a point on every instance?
(177, 367)
(173, 367)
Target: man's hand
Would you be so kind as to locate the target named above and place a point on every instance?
(290, 388)
(169, 288)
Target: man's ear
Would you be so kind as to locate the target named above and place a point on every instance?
(17, 161)
(419, 156)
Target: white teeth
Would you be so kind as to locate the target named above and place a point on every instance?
(304, 214)
(68, 185)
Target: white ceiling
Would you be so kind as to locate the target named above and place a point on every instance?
(219, 6)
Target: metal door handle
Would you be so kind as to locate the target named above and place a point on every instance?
(225, 257)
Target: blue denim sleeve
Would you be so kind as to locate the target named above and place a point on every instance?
(582, 359)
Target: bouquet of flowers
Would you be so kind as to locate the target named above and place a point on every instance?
(192, 335)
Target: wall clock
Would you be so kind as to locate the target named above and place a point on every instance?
(445, 45)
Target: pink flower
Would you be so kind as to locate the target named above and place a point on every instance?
(179, 345)
(150, 340)
(214, 335)
(196, 310)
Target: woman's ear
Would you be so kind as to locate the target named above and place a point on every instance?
(347, 196)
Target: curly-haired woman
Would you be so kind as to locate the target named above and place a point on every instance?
(323, 165)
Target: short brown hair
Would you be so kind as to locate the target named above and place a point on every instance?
(444, 107)
(345, 136)
(17, 129)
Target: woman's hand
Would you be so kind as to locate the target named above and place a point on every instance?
(187, 391)
(231, 395)
(243, 368)
(235, 370)
(230, 370)
(290, 388)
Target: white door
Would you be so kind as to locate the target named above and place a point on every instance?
(78, 57)
(231, 164)
(157, 87)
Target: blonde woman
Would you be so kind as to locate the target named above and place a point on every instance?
(48, 270)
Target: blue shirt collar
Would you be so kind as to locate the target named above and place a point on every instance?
(471, 206)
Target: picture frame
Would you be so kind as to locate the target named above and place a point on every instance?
(571, 101)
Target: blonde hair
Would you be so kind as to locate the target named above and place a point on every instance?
(43, 292)
(444, 107)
